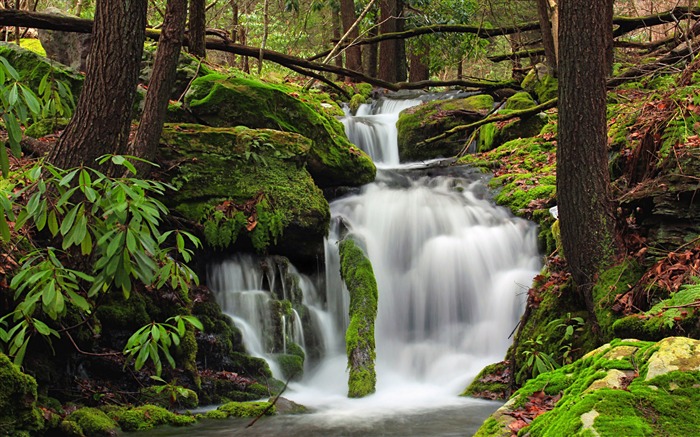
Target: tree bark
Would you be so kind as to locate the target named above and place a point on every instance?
(145, 145)
(550, 52)
(418, 69)
(353, 54)
(583, 182)
(388, 49)
(197, 29)
(102, 117)
(370, 54)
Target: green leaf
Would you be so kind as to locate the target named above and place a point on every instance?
(31, 100)
(52, 223)
(12, 95)
(4, 161)
(68, 220)
(10, 69)
(155, 332)
(86, 245)
(4, 228)
(65, 181)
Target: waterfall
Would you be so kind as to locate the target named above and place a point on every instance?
(452, 271)
(373, 128)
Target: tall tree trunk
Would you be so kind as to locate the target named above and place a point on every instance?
(197, 29)
(102, 117)
(337, 34)
(145, 144)
(583, 181)
(234, 30)
(401, 65)
(388, 50)
(370, 54)
(419, 69)
(550, 51)
(353, 55)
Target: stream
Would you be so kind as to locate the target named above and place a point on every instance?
(452, 271)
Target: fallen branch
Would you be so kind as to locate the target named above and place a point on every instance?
(523, 113)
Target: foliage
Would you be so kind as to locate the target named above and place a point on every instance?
(536, 360)
(173, 392)
(20, 104)
(155, 338)
(108, 223)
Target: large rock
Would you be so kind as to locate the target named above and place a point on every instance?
(433, 118)
(224, 101)
(626, 387)
(247, 187)
(18, 413)
(492, 135)
(68, 48)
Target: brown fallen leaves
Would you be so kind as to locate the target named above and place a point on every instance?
(538, 403)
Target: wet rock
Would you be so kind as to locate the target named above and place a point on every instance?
(68, 48)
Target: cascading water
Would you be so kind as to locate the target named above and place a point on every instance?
(452, 271)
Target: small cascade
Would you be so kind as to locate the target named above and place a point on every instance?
(373, 129)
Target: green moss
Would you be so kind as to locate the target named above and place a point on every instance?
(245, 182)
(616, 279)
(241, 409)
(432, 118)
(358, 275)
(18, 412)
(223, 101)
(669, 316)
(485, 386)
(356, 101)
(292, 366)
(520, 100)
(45, 127)
(33, 45)
(148, 417)
(170, 397)
(92, 422)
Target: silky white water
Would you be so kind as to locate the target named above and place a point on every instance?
(452, 272)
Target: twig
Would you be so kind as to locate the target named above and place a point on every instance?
(272, 404)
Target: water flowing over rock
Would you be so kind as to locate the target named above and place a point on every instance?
(451, 271)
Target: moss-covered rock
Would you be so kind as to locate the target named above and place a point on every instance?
(493, 382)
(169, 396)
(89, 422)
(492, 135)
(18, 413)
(433, 118)
(188, 68)
(241, 409)
(33, 67)
(241, 182)
(626, 387)
(356, 271)
(541, 84)
(149, 417)
(222, 101)
(45, 127)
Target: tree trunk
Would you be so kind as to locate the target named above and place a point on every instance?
(234, 30)
(337, 34)
(353, 55)
(419, 70)
(550, 52)
(583, 181)
(197, 29)
(102, 117)
(371, 52)
(388, 49)
(145, 144)
(401, 67)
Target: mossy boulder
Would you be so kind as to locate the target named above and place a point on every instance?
(188, 68)
(540, 83)
(625, 387)
(19, 415)
(149, 417)
(358, 275)
(433, 118)
(46, 126)
(241, 409)
(33, 67)
(169, 396)
(89, 422)
(248, 187)
(492, 135)
(493, 382)
(223, 101)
